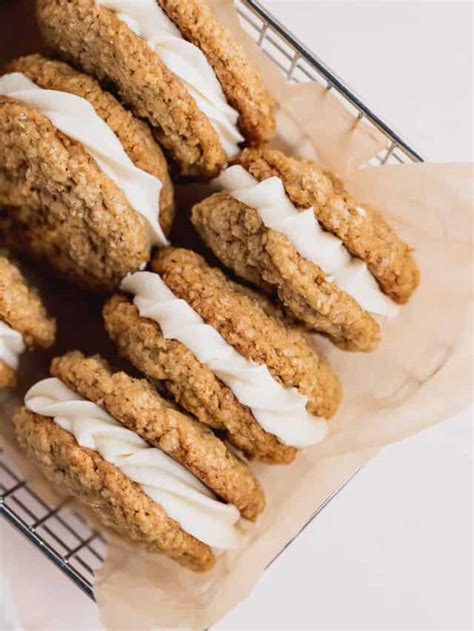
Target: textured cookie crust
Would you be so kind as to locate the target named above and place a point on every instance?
(116, 500)
(367, 235)
(242, 84)
(134, 134)
(136, 404)
(191, 383)
(22, 309)
(7, 376)
(247, 326)
(60, 207)
(238, 237)
(93, 38)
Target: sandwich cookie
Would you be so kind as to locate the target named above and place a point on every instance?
(224, 356)
(154, 474)
(24, 322)
(287, 226)
(175, 66)
(84, 184)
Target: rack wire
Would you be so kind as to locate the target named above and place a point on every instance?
(299, 64)
(60, 533)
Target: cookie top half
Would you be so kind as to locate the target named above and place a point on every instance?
(24, 321)
(197, 487)
(288, 226)
(224, 354)
(175, 65)
(84, 184)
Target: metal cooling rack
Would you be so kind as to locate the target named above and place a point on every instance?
(63, 535)
(299, 64)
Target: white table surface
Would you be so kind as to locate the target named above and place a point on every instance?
(394, 549)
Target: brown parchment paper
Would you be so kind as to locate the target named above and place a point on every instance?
(420, 374)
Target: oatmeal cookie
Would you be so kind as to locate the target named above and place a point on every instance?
(136, 404)
(363, 229)
(372, 269)
(151, 472)
(60, 205)
(201, 101)
(23, 320)
(248, 327)
(115, 499)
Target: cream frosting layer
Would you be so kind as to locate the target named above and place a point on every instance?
(76, 118)
(183, 497)
(11, 345)
(304, 232)
(279, 410)
(148, 20)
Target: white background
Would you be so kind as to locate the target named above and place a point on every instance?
(394, 549)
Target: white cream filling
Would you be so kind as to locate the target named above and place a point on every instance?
(148, 20)
(11, 345)
(279, 410)
(165, 481)
(304, 232)
(76, 118)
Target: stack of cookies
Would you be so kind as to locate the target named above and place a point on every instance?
(140, 95)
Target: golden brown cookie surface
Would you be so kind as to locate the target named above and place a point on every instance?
(245, 325)
(138, 406)
(134, 135)
(59, 204)
(116, 500)
(365, 234)
(7, 376)
(115, 54)
(192, 384)
(60, 207)
(242, 84)
(22, 308)
(237, 236)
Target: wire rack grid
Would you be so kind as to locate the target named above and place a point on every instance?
(60, 533)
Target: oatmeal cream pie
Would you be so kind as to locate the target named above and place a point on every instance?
(175, 66)
(224, 355)
(83, 183)
(289, 227)
(152, 473)
(23, 321)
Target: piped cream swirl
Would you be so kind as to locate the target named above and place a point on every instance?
(304, 232)
(279, 410)
(76, 118)
(165, 481)
(11, 345)
(148, 20)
